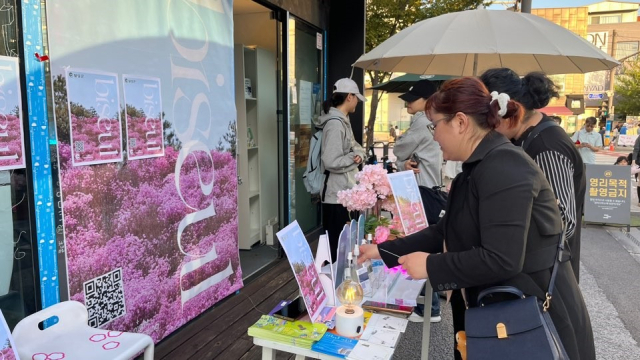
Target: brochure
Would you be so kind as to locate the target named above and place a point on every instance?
(335, 345)
(367, 351)
(7, 346)
(408, 200)
(304, 268)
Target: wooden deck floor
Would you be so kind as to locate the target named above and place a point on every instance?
(221, 332)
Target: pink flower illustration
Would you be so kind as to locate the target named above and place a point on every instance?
(52, 356)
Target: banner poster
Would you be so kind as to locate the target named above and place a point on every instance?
(151, 243)
(296, 247)
(11, 133)
(7, 347)
(142, 98)
(94, 103)
(408, 200)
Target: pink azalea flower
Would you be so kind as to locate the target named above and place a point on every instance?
(382, 234)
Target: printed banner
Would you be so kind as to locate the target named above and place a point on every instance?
(143, 104)
(296, 247)
(94, 106)
(11, 133)
(151, 243)
(627, 140)
(408, 200)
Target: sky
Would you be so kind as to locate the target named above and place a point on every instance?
(553, 3)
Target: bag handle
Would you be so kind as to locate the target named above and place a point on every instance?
(536, 131)
(499, 289)
(554, 272)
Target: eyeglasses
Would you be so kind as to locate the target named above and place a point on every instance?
(432, 126)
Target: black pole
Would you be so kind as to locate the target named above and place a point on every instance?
(526, 6)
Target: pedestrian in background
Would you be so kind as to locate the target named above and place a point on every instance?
(501, 220)
(416, 150)
(341, 154)
(587, 141)
(551, 148)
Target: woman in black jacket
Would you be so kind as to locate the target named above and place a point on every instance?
(502, 221)
(551, 148)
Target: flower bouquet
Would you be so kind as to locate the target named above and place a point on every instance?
(372, 194)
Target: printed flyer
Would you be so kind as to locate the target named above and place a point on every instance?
(408, 200)
(142, 98)
(299, 254)
(94, 114)
(11, 133)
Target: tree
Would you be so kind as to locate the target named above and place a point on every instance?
(628, 89)
(230, 138)
(386, 18)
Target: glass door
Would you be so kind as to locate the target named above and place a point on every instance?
(304, 81)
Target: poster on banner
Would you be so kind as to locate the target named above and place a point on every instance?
(608, 196)
(408, 201)
(93, 99)
(7, 346)
(143, 117)
(299, 254)
(156, 236)
(11, 132)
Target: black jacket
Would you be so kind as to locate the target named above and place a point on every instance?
(500, 208)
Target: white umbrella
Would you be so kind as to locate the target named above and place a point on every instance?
(469, 42)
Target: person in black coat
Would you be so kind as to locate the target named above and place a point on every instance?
(552, 149)
(502, 222)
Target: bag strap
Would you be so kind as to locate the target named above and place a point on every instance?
(554, 272)
(536, 131)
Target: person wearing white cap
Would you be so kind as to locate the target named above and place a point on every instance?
(341, 154)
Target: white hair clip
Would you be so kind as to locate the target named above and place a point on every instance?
(503, 100)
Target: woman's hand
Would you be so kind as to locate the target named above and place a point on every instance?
(357, 159)
(411, 165)
(368, 252)
(415, 264)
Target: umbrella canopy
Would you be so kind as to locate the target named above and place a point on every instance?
(469, 42)
(403, 83)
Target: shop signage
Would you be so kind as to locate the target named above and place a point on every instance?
(319, 41)
(596, 96)
(608, 197)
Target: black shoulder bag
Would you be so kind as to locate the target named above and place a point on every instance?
(536, 131)
(515, 329)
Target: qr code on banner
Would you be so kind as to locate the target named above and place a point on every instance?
(132, 142)
(78, 146)
(104, 298)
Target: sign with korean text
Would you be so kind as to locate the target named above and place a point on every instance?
(608, 197)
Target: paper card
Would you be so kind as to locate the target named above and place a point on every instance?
(343, 249)
(143, 103)
(11, 133)
(93, 102)
(361, 223)
(354, 234)
(408, 201)
(7, 347)
(389, 322)
(368, 351)
(381, 336)
(301, 259)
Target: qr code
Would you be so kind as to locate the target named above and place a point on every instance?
(132, 142)
(78, 146)
(104, 298)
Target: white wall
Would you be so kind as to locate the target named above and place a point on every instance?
(255, 29)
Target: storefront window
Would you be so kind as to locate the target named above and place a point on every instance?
(17, 270)
(305, 102)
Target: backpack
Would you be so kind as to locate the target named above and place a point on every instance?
(314, 175)
(434, 201)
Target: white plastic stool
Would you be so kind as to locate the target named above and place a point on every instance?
(71, 338)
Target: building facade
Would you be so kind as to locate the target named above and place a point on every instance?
(153, 136)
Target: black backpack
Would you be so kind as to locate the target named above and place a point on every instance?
(434, 201)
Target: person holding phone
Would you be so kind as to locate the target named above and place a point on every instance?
(417, 150)
(587, 141)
